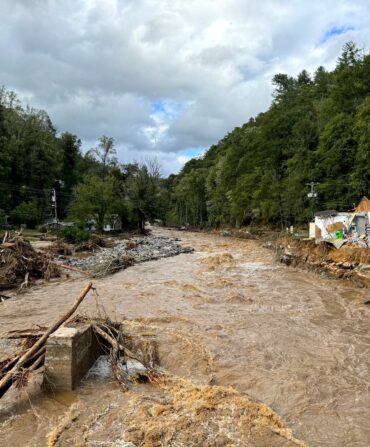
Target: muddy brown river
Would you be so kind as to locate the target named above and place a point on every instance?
(235, 330)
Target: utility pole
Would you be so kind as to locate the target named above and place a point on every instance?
(312, 194)
(54, 200)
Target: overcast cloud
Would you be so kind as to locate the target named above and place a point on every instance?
(165, 78)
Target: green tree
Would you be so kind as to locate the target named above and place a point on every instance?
(143, 189)
(360, 175)
(95, 200)
(25, 213)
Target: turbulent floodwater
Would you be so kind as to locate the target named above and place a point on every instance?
(224, 316)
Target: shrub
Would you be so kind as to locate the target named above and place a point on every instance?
(25, 213)
(73, 234)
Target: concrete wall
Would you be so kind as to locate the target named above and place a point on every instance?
(70, 353)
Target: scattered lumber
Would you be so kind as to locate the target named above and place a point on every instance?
(26, 335)
(114, 343)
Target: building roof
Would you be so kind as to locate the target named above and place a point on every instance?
(326, 213)
(363, 206)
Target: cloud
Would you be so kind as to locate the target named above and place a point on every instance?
(165, 76)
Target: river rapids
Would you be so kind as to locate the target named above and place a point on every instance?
(257, 354)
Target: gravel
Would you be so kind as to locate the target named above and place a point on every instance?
(128, 252)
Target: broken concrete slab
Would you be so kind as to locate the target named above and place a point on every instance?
(70, 353)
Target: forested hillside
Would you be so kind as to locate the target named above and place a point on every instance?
(37, 163)
(317, 129)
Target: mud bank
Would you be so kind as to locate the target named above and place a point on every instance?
(346, 263)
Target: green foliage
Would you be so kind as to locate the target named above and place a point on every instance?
(142, 185)
(73, 235)
(2, 217)
(25, 213)
(95, 199)
(316, 129)
(34, 159)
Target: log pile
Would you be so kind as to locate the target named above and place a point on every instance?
(20, 263)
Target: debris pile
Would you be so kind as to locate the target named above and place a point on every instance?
(126, 253)
(20, 263)
(339, 228)
(92, 244)
(59, 247)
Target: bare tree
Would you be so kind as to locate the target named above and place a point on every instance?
(105, 153)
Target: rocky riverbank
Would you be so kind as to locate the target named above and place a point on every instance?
(127, 252)
(350, 263)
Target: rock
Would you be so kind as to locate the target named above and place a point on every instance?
(137, 250)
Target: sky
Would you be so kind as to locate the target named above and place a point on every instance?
(165, 78)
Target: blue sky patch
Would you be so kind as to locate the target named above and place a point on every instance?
(336, 31)
(193, 151)
(167, 108)
(158, 106)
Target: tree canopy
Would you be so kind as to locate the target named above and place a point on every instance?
(316, 130)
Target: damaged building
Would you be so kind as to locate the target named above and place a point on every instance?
(338, 228)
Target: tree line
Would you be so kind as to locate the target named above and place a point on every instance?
(317, 129)
(37, 163)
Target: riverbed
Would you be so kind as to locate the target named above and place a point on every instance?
(226, 315)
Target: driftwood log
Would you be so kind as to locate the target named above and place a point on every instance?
(114, 343)
(73, 269)
(37, 350)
